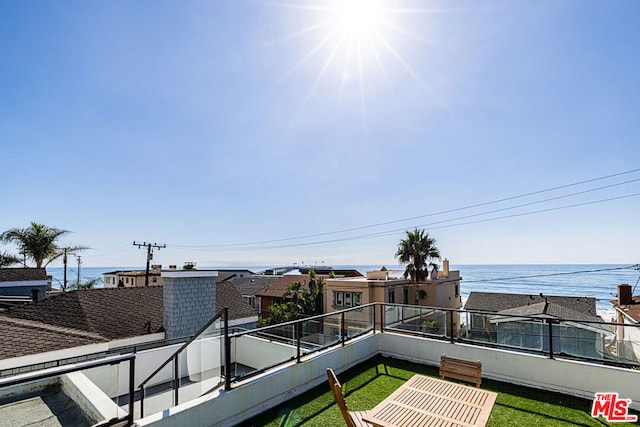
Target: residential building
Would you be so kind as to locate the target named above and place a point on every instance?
(105, 319)
(250, 286)
(132, 278)
(19, 285)
(627, 309)
(531, 329)
(274, 292)
(390, 287)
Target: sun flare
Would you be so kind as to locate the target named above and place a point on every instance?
(358, 16)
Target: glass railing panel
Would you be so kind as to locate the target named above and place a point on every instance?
(315, 334)
(103, 390)
(525, 334)
(420, 320)
(200, 363)
(623, 344)
(358, 321)
(83, 394)
(263, 348)
(158, 391)
(392, 315)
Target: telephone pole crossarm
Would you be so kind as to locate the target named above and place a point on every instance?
(150, 247)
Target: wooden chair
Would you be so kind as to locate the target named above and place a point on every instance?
(352, 418)
(460, 369)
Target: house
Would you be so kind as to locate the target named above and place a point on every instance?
(522, 321)
(627, 309)
(112, 317)
(383, 286)
(18, 285)
(274, 292)
(132, 278)
(250, 286)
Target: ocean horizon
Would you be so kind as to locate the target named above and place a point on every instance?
(586, 280)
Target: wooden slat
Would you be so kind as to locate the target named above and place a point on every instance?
(430, 402)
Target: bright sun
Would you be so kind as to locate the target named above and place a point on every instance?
(353, 42)
(358, 17)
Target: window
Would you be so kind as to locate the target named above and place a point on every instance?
(357, 297)
(457, 291)
(347, 299)
(337, 298)
(391, 296)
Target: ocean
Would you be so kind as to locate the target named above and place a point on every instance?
(587, 280)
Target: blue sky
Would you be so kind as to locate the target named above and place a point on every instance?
(214, 126)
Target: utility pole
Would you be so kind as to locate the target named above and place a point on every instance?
(149, 256)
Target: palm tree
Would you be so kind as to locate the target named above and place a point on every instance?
(7, 259)
(417, 251)
(38, 242)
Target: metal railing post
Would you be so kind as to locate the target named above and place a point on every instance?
(297, 333)
(176, 380)
(451, 328)
(227, 351)
(132, 379)
(550, 323)
(141, 401)
(374, 317)
(342, 328)
(382, 316)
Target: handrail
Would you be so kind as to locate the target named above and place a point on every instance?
(304, 319)
(62, 370)
(182, 347)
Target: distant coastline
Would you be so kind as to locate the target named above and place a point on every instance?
(589, 280)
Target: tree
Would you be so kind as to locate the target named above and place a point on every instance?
(300, 302)
(417, 251)
(38, 242)
(7, 259)
(89, 284)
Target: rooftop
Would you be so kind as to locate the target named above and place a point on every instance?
(632, 309)
(498, 302)
(90, 316)
(22, 274)
(370, 382)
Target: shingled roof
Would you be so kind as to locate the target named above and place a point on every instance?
(228, 296)
(499, 302)
(251, 285)
(92, 316)
(112, 313)
(22, 274)
(23, 337)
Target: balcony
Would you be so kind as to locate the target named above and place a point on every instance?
(223, 378)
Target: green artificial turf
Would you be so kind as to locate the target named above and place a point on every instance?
(369, 383)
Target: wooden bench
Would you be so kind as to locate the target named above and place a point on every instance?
(460, 369)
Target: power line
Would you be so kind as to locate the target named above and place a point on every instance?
(566, 273)
(391, 232)
(231, 245)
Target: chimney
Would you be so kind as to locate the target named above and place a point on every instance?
(624, 294)
(189, 301)
(445, 268)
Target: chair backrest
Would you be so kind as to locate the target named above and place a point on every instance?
(331, 376)
(336, 388)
